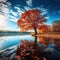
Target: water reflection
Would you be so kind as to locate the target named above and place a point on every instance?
(9, 41)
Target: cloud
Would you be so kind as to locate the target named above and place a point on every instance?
(6, 16)
(3, 0)
(44, 11)
(4, 11)
(47, 17)
(19, 10)
(14, 14)
(9, 13)
(3, 22)
(27, 8)
(4, 8)
(29, 2)
(12, 18)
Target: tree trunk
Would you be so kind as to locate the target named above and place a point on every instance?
(35, 34)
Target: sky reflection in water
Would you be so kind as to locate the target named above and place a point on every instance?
(8, 41)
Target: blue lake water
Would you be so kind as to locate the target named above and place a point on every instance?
(9, 41)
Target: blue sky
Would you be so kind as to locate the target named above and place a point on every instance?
(11, 10)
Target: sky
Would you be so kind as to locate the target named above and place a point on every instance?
(11, 10)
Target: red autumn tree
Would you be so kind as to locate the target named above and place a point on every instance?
(31, 19)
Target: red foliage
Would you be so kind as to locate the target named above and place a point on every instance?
(30, 19)
(42, 27)
(28, 51)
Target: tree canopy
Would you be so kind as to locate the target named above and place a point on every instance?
(30, 19)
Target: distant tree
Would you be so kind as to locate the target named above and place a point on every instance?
(56, 26)
(31, 19)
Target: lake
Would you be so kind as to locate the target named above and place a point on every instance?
(9, 41)
(8, 45)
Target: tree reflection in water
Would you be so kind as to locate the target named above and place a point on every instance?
(28, 51)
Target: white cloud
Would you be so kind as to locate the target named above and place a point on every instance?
(4, 8)
(29, 2)
(19, 10)
(27, 8)
(3, 22)
(5, 16)
(47, 17)
(13, 13)
(12, 18)
(6, 11)
(42, 9)
(45, 12)
(3, 0)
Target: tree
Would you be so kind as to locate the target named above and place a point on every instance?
(56, 26)
(31, 19)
